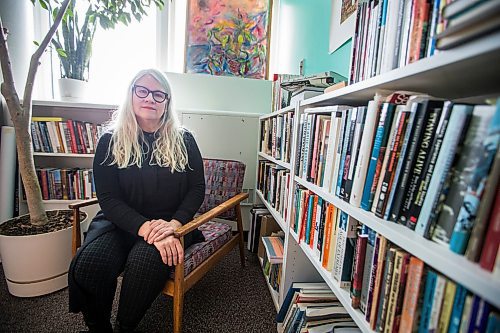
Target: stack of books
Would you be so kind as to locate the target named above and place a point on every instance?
(468, 19)
(313, 307)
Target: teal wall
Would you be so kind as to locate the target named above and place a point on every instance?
(303, 33)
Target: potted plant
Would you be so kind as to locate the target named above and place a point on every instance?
(40, 225)
(73, 41)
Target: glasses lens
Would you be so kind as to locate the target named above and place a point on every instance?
(159, 96)
(141, 92)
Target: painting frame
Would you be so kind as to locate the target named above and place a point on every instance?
(255, 60)
(342, 23)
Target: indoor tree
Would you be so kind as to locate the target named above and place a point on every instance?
(114, 11)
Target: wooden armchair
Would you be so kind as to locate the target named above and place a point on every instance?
(224, 182)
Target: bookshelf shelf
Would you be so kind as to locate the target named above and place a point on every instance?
(459, 73)
(67, 104)
(274, 293)
(455, 266)
(63, 155)
(275, 161)
(281, 111)
(277, 216)
(342, 294)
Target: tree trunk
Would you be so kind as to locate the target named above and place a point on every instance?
(21, 117)
(27, 170)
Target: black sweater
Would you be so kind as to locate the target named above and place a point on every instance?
(133, 195)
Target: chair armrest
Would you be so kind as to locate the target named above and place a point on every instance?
(83, 203)
(214, 212)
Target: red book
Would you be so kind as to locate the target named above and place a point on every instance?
(492, 240)
(74, 147)
(414, 287)
(357, 276)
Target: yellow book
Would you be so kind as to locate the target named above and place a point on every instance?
(47, 119)
(333, 238)
(449, 296)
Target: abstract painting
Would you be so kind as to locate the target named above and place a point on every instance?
(228, 37)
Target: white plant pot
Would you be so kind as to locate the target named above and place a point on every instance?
(71, 89)
(37, 265)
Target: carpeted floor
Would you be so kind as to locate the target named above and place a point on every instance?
(228, 299)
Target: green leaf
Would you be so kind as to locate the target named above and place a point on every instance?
(61, 53)
(36, 43)
(43, 4)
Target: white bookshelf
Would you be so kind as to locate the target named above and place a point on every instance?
(342, 294)
(63, 155)
(88, 112)
(274, 293)
(275, 161)
(281, 111)
(468, 73)
(276, 215)
(456, 267)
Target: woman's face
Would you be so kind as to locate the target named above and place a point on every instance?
(149, 101)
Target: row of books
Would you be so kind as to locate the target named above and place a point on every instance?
(428, 164)
(275, 136)
(312, 307)
(66, 184)
(467, 20)
(273, 182)
(393, 33)
(393, 289)
(59, 135)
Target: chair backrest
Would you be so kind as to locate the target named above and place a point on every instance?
(223, 180)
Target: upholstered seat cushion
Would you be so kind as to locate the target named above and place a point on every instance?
(216, 234)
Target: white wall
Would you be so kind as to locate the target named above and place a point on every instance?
(220, 93)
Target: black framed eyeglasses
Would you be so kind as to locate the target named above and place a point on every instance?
(143, 92)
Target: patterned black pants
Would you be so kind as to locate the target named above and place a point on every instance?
(96, 272)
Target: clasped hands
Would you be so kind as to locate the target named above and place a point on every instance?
(160, 233)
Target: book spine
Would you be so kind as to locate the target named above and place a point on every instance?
(359, 265)
(462, 173)
(385, 287)
(373, 274)
(393, 291)
(348, 154)
(392, 157)
(345, 146)
(430, 163)
(367, 270)
(377, 143)
(401, 292)
(492, 240)
(347, 263)
(475, 187)
(363, 161)
(412, 296)
(445, 316)
(338, 155)
(360, 123)
(430, 286)
(485, 207)
(421, 161)
(458, 121)
(457, 308)
(437, 302)
(378, 153)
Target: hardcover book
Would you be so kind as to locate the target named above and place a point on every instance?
(476, 185)
(462, 173)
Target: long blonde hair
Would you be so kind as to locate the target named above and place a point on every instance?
(169, 149)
